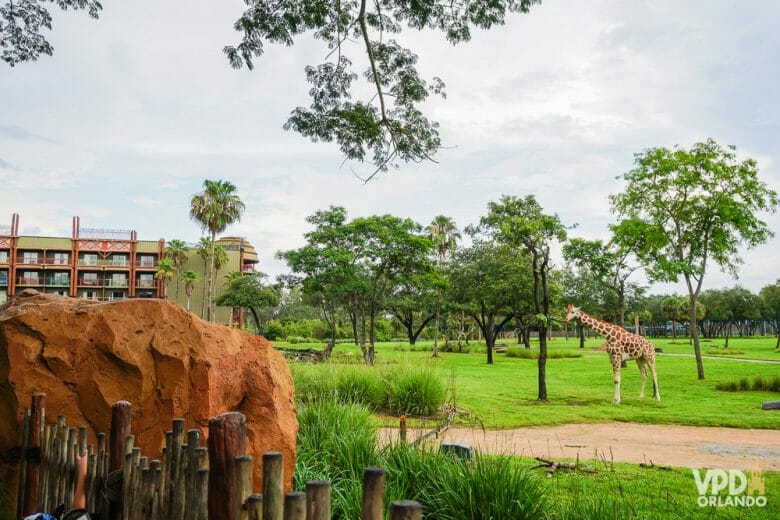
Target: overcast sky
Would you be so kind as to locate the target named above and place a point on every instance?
(122, 125)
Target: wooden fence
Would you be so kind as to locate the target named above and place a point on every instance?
(190, 482)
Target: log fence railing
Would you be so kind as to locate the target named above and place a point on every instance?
(189, 482)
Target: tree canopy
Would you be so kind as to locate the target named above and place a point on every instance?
(684, 208)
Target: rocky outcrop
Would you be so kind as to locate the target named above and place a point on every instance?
(164, 360)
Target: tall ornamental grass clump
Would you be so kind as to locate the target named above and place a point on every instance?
(336, 442)
(418, 391)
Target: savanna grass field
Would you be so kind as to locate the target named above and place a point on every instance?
(407, 379)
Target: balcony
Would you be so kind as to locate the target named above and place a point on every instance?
(56, 261)
(248, 268)
(57, 282)
(149, 264)
(150, 284)
(29, 281)
(90, 261)
(116, 282)
(90, 282)
(116, 262)
(27, 260)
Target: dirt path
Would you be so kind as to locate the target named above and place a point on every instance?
(668, 445)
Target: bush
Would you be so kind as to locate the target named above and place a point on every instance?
(337, 442)
(359, 385)
(524, 353)
(415, 391)
(274, 330)
(757, 384)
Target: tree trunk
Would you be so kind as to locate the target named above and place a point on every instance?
(581, 330)
(674, 330)
(436, 330)
(695, 336)
(209, 316)
(542, 363)
(188, 303)
(257, 320)
(490, 339)
(622, 305)
(527, 336)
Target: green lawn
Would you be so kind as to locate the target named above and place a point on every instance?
(503, 395)
(630, 491)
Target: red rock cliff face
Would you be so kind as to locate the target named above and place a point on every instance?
(164, 360)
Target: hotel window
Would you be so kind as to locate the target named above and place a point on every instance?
(60, 279)
(118, 260)
(60, 258)
(3, 257)
(3, 278)
(90, 259)
(90, 279)
(146, 261)
(30, 257)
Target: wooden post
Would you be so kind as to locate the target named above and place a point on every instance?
(120, 429)
(127, 476)
(71, 461)
(294, 506)
(373, 491)
(227, 440)
(62, 461)
(406, 510)
(191, 471)
(256, 507)
(202, 482)
(243, 468)
(175, 501)
(273, 485)
(402, 429)
(43, 494)
(21, 502)
(317, 500)
(100, 474)
(33, 480)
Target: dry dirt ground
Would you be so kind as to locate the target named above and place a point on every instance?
(668, 445)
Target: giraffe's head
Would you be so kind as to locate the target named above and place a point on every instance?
(572, 312)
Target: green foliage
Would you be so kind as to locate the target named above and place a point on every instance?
(337, 442)
(683, 207)
(274, 330)
(407, 390)
(22, 22)
(416, 392)
(388, 125)
(754, 384)
(524, 353)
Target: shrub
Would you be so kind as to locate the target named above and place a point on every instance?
(524, 353)
(360, 386)
(415, 391)
(274, 330)
(757, 384)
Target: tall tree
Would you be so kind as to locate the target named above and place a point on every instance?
(445, 235)
(215, 208)
(609, 264)
(176, 251)
(483, 281)
(165, 272)
(683, 209)
(412, 301)
(770, 299)
(249, 292)
(522, 224)
(190, 278)
(673, 306)
(388, 125)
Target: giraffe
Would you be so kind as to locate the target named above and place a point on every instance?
(621, 345)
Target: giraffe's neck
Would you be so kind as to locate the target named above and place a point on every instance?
(598, 325)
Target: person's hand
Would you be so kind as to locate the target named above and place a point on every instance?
(81, 464)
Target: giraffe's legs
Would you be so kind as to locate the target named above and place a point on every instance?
(656, 390)
(640, 362)
(616, 360)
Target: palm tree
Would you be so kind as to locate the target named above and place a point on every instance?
(231, 277)
(176, 251)
(203, 248)
(444, 234)
(189, 278)
(165, 272)
(215, 208)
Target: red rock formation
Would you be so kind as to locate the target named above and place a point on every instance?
(166, 361)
